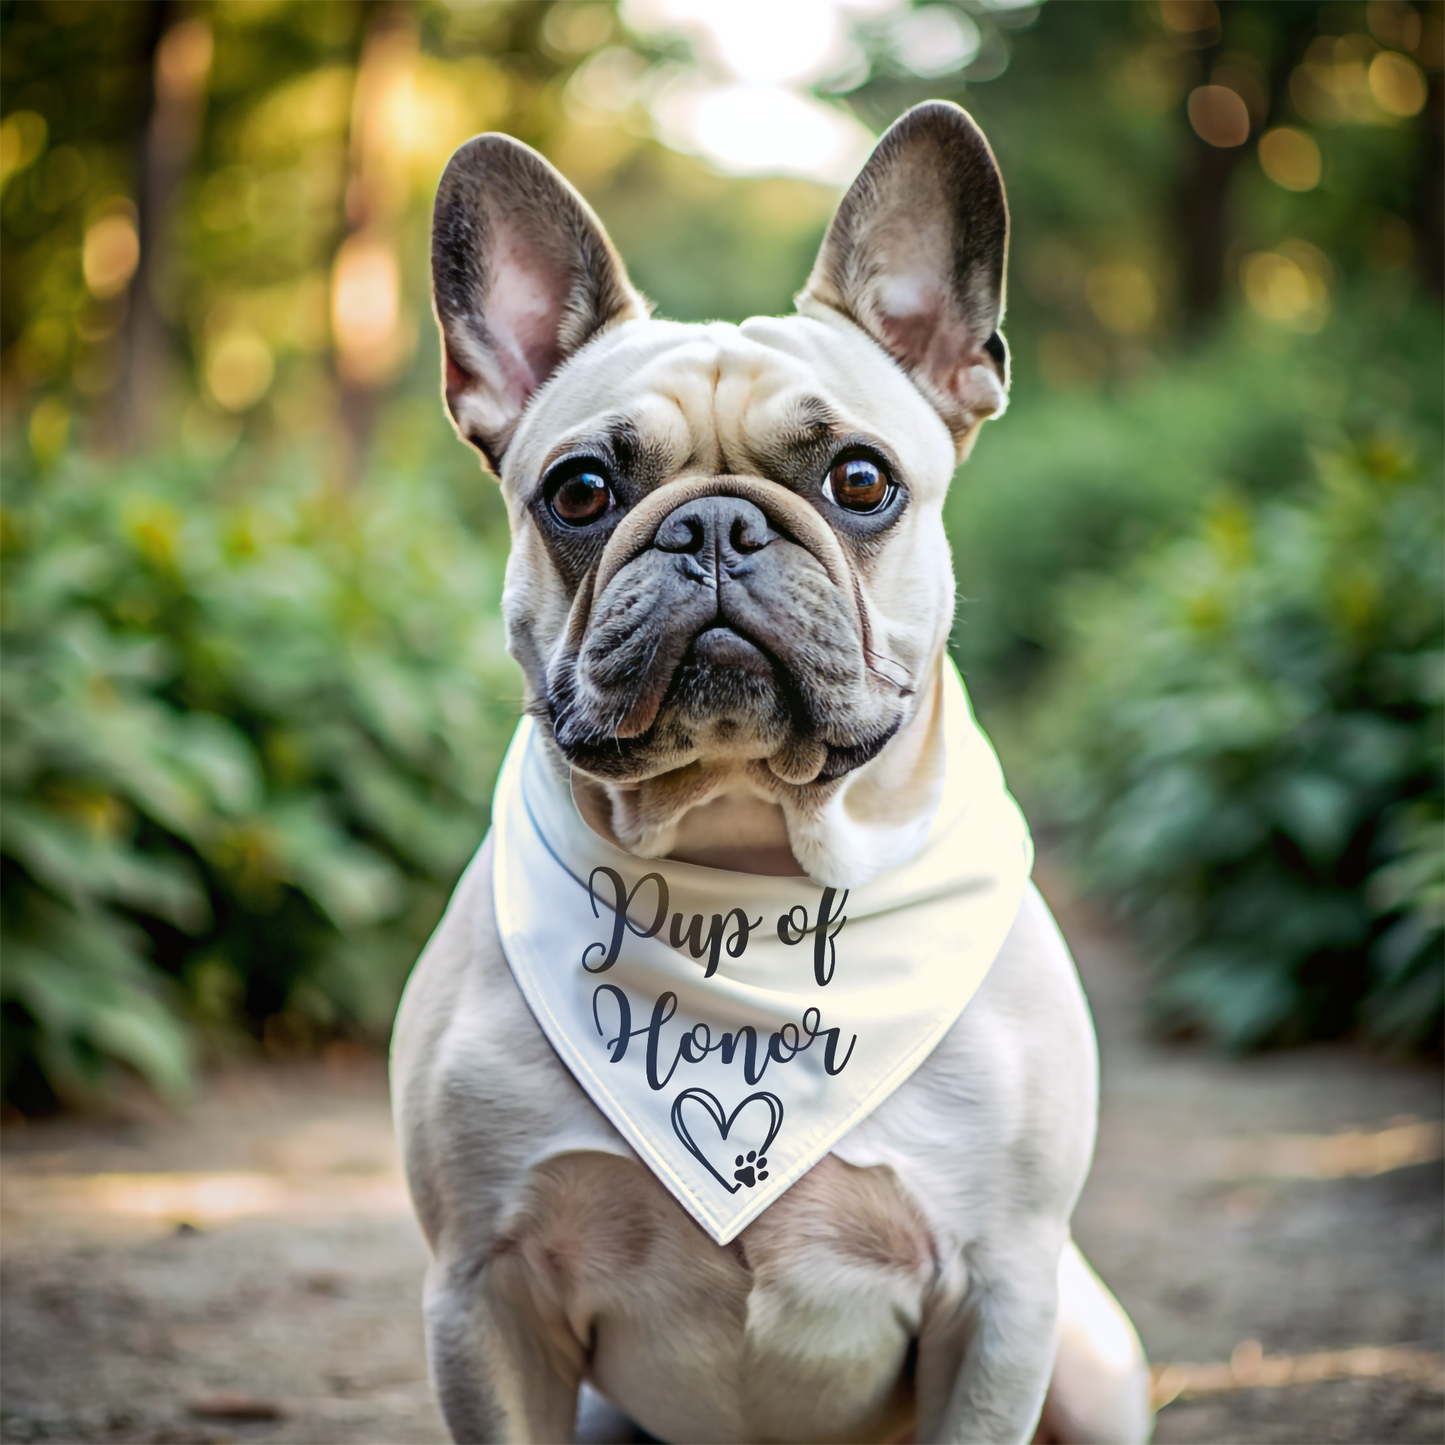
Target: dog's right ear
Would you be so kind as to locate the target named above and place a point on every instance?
(522, 275)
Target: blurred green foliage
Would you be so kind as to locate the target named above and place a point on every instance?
(1246, 747)
(253, 685)
(1093, 478)
(251, 727)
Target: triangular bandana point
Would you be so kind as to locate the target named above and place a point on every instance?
(733, 1027)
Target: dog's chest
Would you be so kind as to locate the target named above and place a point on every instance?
(801, 1329)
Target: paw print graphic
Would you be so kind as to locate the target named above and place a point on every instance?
(745, 1174)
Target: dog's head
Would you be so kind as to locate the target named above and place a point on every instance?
(728, 569)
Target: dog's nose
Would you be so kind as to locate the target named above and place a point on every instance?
(720, 525)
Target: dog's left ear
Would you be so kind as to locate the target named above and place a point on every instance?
(522, 276)
(916, 256)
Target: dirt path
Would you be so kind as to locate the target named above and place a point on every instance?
(163, 1280)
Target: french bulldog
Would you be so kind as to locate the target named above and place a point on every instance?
(730, 593)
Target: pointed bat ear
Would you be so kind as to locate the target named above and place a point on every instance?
(916, 256)
(522, 276)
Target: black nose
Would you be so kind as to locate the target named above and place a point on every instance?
(724, 526)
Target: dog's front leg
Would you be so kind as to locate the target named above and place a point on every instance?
(984, 1363)
(505, 1363)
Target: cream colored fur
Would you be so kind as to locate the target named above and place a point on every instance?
(920, 1282)
(708, 396)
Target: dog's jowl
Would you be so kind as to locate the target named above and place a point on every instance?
(746, 1087)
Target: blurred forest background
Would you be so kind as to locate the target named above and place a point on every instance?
(254, 693)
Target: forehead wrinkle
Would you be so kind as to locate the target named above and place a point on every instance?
(666, 421)
(755, 397)
(696, 384)
(787, 427)
(707, 395)
(807, 420)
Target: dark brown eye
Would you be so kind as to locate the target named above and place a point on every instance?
(858, 485)
(582, 498)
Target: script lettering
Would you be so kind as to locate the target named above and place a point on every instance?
(823, 944)
(621, 902)
(712, 945)
(662, 1011)
(784, 1044)
(793, 929)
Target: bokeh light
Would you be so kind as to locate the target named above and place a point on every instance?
(757, 41)
(22, 138)
(1290, 158)
(110, 255)
(1398, 85)
(761, 130)
(1122, 295)
(238, 367)
(366, 309)
(1219, 116)
(183, 59)
(49, 428)
(1194, 21)
(937, 39)
(748, 109)
(1289, 285)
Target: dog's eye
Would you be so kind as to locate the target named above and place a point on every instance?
(858, 485)
(580, 498)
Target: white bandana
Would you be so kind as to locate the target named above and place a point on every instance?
(734, 1027)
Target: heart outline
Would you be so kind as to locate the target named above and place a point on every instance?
(724, 1123)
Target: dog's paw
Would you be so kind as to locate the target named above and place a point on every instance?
(746, 1173)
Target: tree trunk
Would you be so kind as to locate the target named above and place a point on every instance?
(178, 55)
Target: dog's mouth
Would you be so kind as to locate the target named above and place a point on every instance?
(724, 649)
(726, 693)
(728, 688)
(729, 697)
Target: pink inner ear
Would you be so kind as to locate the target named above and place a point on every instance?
(922, 329)
(911, 316)
(456, 377)
(524, 314)
(923, 332)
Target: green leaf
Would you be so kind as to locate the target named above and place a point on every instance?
(77, 864)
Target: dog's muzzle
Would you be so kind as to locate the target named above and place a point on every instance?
(714, 541)
(723, 605)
